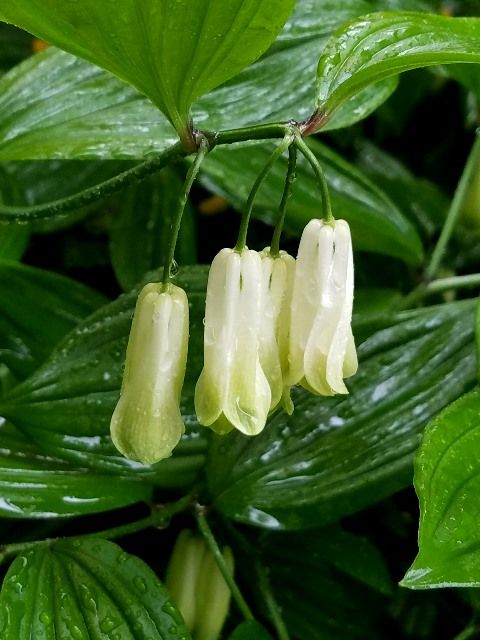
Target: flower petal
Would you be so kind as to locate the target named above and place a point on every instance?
(147, 424)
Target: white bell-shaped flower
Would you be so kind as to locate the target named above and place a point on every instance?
(232, 390)
(322, 348)
(278, 274)
(147, 424)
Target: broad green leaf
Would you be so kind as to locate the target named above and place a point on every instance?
(67, 404)
(335, 456)
(141, 230)
(447, 481)
(48, 120)
(381, 45)
(170, 50)
(376, 223)
(85, 588)
(250, 631)
(37, 310)
(34, 485)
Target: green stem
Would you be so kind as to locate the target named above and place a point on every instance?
(439, 286)
(217, 554)
(256, 132)
(92, 194)
(456, 208)
(320, 175)
(287, 192)
(160, 517)
(270, 601)
(177, 218)
(242, 233)
(57, 208)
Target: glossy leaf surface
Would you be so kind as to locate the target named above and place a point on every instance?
(34, 485)
(376, 223)
(447, 481)
(67, 404)
(37, 310)
(381, 45)
(336, 456)
(171, 50)
(83, 112)
(85, 588)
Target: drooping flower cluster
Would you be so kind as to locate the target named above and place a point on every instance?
(271, 322)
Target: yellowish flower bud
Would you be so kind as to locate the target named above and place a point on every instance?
(147, 424)
(322, 348)
(232, 390)
(197, 586)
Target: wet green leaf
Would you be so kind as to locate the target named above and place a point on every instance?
(38, 309)
(382, 45)
(171, 51)
(335, 456)
(85, 588)
(34, 485)
(376, 222)
(83, 112)
(447, 481)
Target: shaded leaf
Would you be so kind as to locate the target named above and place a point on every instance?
(318, 601)
(250, 631)
(13, 241)
(38, 309)
(420, 200)
(335, 456)
(85, 588)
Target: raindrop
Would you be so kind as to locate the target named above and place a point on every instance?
(109, 624)
(45, 618)
(87, 598)
(140, 584)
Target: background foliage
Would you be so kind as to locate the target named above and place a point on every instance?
(322, 502)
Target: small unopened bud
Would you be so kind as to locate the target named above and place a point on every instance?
(197, 586)
(147, 424)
